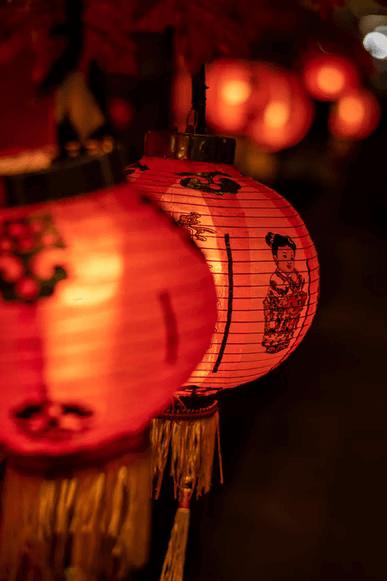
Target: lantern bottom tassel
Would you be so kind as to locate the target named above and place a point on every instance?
(93, 525)
(174, 560)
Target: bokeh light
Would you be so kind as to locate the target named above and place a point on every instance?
(229, 90)
(376, 44)
(327, 77)
(355, 115)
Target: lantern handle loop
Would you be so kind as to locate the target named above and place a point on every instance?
(191, 127)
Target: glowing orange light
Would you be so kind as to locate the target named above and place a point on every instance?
(351, 110)
(327, 77)
(235, 92)
(276, 115)
(356, 115)
(331, 80)
(280, 112)
(228, 94)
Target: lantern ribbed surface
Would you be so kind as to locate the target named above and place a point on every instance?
(261, 256)
(106, 308)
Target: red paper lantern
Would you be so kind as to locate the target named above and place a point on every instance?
(327, 77)
(280, 112)
(355, 115)
(266, 103)
(258, 249)
(108, 309)
(229, 88)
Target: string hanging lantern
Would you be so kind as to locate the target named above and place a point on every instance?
(108, 307)
(266, 275)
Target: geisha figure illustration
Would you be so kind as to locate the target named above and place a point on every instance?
(285, 298)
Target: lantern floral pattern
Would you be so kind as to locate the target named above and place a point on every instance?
(22, 243)
(262, 259)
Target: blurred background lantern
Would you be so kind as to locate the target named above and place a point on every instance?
(265, 102)
(327, 76)
(355, 115)
(281, 113)
(229, 89)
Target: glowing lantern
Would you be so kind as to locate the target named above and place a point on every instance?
(266, 103)
(327, 77)
(355, 115)
(280, 112)
(229, 89)
(108, 308)
(257, 247)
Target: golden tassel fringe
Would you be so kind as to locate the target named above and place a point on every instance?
(173, 567)
(95, 525)
(191, 438)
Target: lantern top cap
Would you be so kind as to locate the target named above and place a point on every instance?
(64, 178)
(190, 147)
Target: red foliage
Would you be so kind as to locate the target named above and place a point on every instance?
(26, 25)
(204, 28)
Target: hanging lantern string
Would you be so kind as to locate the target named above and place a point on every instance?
(198, 103)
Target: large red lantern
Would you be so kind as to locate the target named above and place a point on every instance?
(355, 115)
(327, 77)
(108, 308)
(258, 249)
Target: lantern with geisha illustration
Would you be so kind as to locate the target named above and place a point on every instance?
(106, 307)
(266, 275)
(258, 249)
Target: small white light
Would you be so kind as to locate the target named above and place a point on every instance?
(376, 43)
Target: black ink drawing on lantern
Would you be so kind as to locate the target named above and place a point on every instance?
(191, 223)
(20, 243)
(285, 298)
(133, 166)
(224, 185)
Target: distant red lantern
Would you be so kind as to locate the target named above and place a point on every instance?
(280, 112)
(262, 258)
(121, 112)
(327, 77)
(355, 115)
(229, 89)
(108, 308)
(265, 102)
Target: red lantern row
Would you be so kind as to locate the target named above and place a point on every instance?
(266, 103)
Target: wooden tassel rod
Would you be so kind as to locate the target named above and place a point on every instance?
(173, 567)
